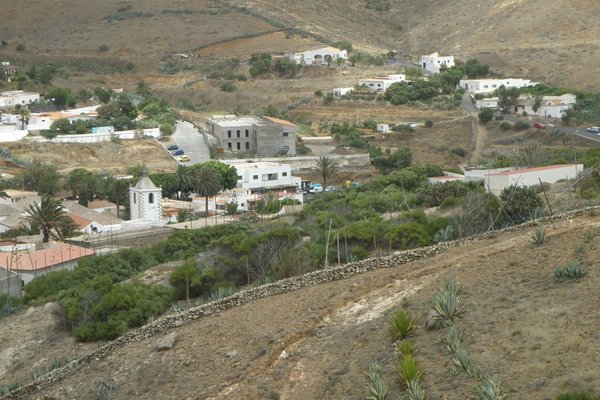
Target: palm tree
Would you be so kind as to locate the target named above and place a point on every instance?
(207, 183)
(49, 216)
(24, 113)
(185, 181)
(327, 167)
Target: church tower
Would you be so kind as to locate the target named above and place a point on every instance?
(145, 200)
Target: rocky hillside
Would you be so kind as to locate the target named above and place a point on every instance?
(311, 340)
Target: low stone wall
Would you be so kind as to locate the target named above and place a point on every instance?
(300, 164)
(163, 324)
(99, 137)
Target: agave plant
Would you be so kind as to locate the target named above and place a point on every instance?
(445, 308)
(378, 390)
(492, 390)
(402, 325)
(539, 236)
(443, 235)
(571, 271)
(415, 390)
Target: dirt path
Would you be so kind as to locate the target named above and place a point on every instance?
(480, 139)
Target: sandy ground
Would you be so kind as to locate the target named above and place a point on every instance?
(538, 336)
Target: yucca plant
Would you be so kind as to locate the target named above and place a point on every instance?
(415, 390)
(409, 369)
(378, 390)
(579, 249)
(405, 348)
(402, 325)
(492, 390)
(462, 359)
(443, 235)
(452, 339)
(571, 271)
(539, 236)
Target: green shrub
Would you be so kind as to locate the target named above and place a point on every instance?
(485, 115)
(402, 325)
(429, 124)
(9, 305)
(521, 125)
(405, 348)
(409, 369)
(378, 390)
(443, 235)
(228, 87)
(451, 202)
(570, 271)
(458, 151)
(505, 125)
(539, 235)
(580, 249)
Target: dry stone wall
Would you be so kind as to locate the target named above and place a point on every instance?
(163, 324)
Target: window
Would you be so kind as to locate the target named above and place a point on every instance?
(228, 134)
(247, 145)
(229, 145)
(284, 174)
(247, 133)
(255, 177)
(285, 133)
(239, 177)
(151, 198)
(238, 133)
(134, 199)
(239, 147)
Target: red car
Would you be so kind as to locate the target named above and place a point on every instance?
(539, 125)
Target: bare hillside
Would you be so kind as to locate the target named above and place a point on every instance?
(551, 40)
(537, 336)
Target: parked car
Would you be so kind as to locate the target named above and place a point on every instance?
(179, 152)
(315, 188)
(173, 147)
(330, 188)
(539, 125)
(184, 158)
(593, 129)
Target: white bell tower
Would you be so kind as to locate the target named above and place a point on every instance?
(145, 200)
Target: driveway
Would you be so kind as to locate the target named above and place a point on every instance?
(192, 140)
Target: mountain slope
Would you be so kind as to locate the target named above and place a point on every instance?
(550, 40)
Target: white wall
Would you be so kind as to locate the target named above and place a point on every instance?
(342, 91)
(13, 136)
(433, 62)
(256, 176)
(97, 137)
(489, 85)
(532, 176)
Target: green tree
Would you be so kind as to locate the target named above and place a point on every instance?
(507, 98)
(537, 103)
(83, 184)
(143, 89)
(227, 173)
(206, 183)
(84, 95)
(184, 277)
(49, 217)
(42, 178)
(103, 94)
(485, 115)
(62, 97)
(185, 181)
(399, 159)
(166, 130)
(327, 167)
(117, 191)
(23, 114)
(62, 125)
(342, 45)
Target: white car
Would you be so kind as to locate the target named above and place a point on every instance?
(330, 188)
(593, 129)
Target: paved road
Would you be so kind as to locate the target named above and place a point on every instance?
(192, 141)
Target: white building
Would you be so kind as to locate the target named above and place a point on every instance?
(497, 182)
(477, 86)
(13, 196)
(550, 106)
(434, 63)
(342, 91)
(18, 98)
(318, 57)
(266, 176)
(244, 198)
(145, 201)
(381, 83)
(385, 128)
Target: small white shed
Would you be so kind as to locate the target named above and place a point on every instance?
(385, 128)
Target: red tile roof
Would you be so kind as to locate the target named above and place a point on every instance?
(39, 259)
